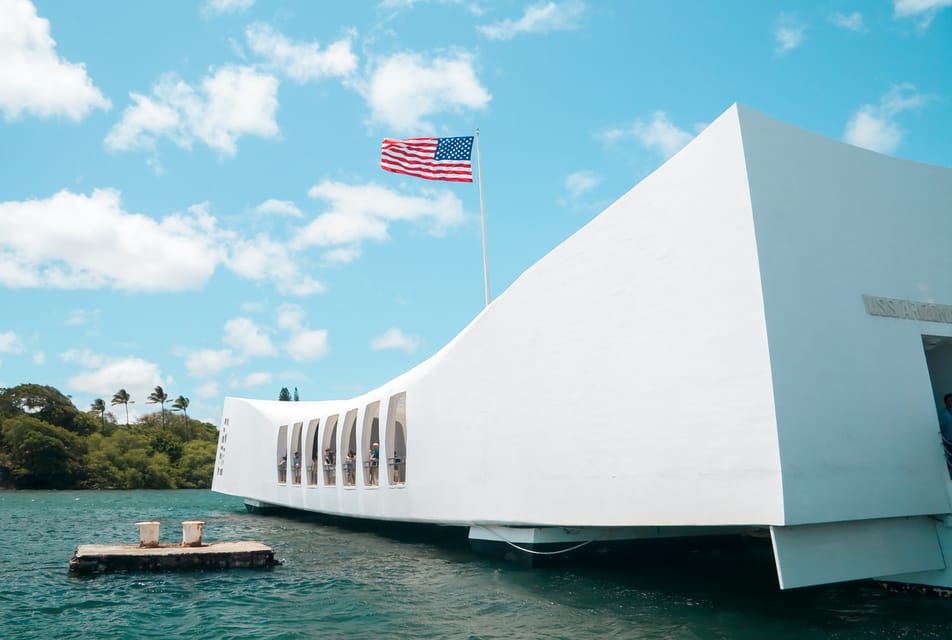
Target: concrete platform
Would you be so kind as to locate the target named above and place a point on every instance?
(102, 558)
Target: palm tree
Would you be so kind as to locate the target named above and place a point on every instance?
(99, 406)
(181, 404)
(159, 396)
(122, 397)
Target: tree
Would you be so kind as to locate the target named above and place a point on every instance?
(46, 404)
(159, 396)
(99, 406)
(167, 443)
(122, 397)
(42, 455)
(181, 404)
(285, 395)
(72, 453)
(197, 464)
(296, 396)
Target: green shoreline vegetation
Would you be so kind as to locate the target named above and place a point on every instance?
(47, 443)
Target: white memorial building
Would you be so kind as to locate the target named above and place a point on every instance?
(756, 337)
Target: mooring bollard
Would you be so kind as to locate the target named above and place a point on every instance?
(192, 533)
(148, 533)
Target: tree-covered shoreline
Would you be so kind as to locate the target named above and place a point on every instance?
(47, 443)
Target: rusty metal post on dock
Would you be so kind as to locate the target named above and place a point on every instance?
(192, 533)
(148, 533)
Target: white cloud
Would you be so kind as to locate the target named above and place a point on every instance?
(264, 260)
(580, 182)
(207, 390)
(658, 134)
(337, 227)
(409, 4)
(871, 131)
(156, 165)
(404, 90)
(280, 208)
(852, 22)
(39, 358)
(341, 255)
(394, 338)
(875, 127)
(244, 339)
(304, 343)
(33, 78)
(247, 338)
(788, 34)
(232, 101)
(301, 61)
(924, 10)
(472, 6)
(74, 241)
(307, 344)
(205, 362)
(83, 357)
(290, 316)
(538, 18)
(252, 380)
(148, 119)
(363, 212)
(104, 376)
(10, 343)
(77, 317)
(218, 7)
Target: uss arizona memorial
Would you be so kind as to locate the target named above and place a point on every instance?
(755, 337)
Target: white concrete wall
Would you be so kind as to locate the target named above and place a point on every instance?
(855, 411)
(624, 378)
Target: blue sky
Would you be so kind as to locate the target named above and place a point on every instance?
(190, 193)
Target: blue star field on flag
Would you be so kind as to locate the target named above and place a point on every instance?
(459, 148)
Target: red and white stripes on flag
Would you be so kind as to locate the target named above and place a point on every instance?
(430, 158)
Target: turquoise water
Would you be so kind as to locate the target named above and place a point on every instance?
(339, 583)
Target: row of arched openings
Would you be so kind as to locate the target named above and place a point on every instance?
(356, 458)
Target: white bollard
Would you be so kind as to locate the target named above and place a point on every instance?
(148, 533)
(192, 533)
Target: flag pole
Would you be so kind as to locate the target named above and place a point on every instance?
(482, 214)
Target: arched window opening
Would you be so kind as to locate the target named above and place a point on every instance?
(938, 352)
(397, 439)
(313, 457)
(296, 458)
(348, 443)
(370, 442)
(282, 453)
(329, 449)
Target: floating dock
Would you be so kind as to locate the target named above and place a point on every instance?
(102, 558)
(191, 554)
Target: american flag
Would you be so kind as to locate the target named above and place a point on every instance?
(430, 158)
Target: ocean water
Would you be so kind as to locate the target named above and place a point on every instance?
(343, 583)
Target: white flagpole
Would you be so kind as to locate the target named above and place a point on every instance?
(482, 213)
